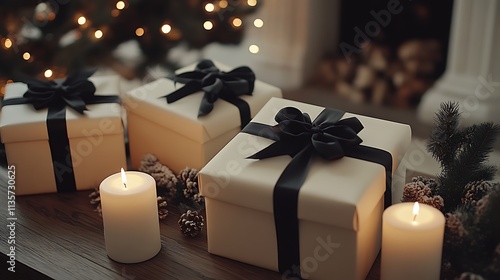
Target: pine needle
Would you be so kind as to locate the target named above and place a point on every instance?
(445, 137)
(462, 153)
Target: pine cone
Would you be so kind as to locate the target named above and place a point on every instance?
(95, 199)
(166, 180)
(431, 183)
(413, 190)
(191, 223)
(437, 202)
(474, 191)
(148, 161)
(488, 207)
(456, 231)
(162, 207)
(189, 178)
(420, 190)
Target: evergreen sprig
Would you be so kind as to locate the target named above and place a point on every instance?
(446, 135)
(461, 152)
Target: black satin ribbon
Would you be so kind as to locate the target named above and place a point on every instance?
(76, 91)
(216, 84)
(297, 136)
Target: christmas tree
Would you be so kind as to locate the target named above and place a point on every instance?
(52, 37)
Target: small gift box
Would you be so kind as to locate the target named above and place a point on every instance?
(301, 190)
(184, 121)
(63, 135)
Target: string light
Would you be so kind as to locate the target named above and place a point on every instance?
(98, 34)
(252, 3)
(209, 7)
(139, 31)
(253, 48)
(7, 43)
(258, 23)
(81, 20)
(166, 28)
(223, 4)
(48, 73)
(44, 12)
(120, 5)
(208, 25)
(237, 22)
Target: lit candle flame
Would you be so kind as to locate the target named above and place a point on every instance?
(124, 178)
(416, 209)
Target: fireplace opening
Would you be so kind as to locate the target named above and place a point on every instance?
(389, 52)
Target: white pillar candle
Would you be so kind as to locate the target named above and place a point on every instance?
(130, 217)
(412, 242)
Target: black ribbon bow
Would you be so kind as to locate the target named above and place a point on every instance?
(327, 135)
(296, 135)
(76, 91)
(73, 91)
(216, 84)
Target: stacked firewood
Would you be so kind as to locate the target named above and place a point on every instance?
(382, 76)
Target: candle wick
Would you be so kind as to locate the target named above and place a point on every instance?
(414, 217)
(124, 184)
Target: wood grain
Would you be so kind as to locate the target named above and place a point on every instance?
(61, 236)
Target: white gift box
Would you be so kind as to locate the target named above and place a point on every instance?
(340, 204)
(174, 133)
(96, 142)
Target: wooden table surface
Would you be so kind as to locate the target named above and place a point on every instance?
(61, 236)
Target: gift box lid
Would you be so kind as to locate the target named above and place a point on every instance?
(20, 123)
(181, 116)
(339, 192)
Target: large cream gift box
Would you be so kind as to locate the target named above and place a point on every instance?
(96, 142)
(174, 133)
(340, 203)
